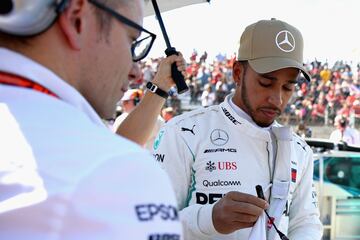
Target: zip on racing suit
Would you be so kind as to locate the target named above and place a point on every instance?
(211, 151)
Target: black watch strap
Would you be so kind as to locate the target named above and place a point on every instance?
(155, 89)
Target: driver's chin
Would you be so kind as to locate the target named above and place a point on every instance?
(263, 123)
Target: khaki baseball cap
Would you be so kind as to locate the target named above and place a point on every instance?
(270, 45)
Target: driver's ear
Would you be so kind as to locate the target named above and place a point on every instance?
(238, 69)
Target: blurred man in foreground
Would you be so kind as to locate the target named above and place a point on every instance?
(63, 174)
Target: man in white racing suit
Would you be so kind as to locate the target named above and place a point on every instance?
(216, 156)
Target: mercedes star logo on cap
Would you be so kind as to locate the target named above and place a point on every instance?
(219, 137)
(285, 41)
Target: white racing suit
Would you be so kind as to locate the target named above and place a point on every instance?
(211, 151)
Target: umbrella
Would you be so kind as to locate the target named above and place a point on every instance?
(165, 6)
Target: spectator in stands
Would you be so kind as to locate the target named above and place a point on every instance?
(330, 112)
(167, 113)
(194, 89)
(303, 131)
(344, 133)
(203, 57)
(148, 72)
(193, 55)
(128, 103)
(318, 109)
(345, 110)
(208, 96)
(221, 90)
(325, 74)
(203, 76)
(356, 111)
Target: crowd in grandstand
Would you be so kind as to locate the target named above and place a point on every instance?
(334, 90)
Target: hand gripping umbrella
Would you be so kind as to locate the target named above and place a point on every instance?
(168, 5)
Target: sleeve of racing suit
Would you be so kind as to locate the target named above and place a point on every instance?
(304, 213)
(176, 156)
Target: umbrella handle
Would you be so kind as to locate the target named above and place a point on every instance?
(176, 74)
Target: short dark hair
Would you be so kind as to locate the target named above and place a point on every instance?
(104, 19)
(243, 62)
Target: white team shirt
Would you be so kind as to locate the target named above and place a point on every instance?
(64, 175)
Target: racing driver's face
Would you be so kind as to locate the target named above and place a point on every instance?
(263, 96)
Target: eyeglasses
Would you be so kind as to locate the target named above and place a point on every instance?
(142, 45)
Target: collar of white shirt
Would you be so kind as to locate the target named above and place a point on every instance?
(25, 67)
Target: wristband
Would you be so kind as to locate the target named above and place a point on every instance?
(155, 89)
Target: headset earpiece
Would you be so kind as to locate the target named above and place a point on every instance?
(62, 6)
(28, 18)
(6, 6)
